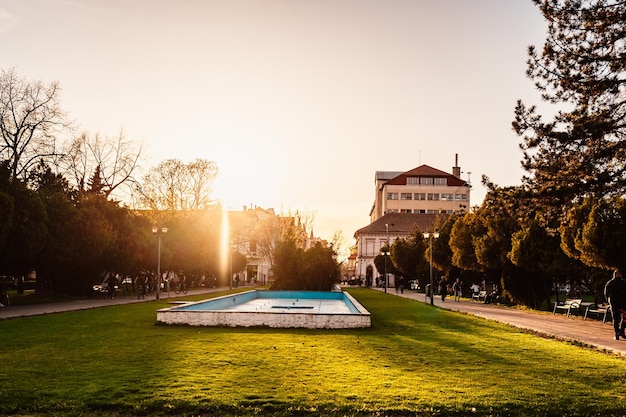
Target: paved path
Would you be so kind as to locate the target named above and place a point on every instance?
(590, 332)
(61, 306)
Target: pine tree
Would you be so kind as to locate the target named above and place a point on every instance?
(582, 70)
(95, 184)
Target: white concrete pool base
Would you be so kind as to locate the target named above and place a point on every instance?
(278, 309)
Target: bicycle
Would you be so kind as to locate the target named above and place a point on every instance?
(181, 287)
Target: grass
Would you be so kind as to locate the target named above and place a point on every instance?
(416, 360)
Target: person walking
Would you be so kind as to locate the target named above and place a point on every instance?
(456, 288)
(443, 288)
(615, 294)
(112, 286)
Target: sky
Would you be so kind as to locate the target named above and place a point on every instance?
(298, 102)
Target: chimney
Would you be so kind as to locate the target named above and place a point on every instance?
(456, 169)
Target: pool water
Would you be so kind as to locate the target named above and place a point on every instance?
(300, 309)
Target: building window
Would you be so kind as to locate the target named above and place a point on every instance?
(412, 180)
(440, 181)
(433, 196)
(252, 245)
(392, 196)
(447, 197)
(419, 196)
(433, 212)
(392, 211)
(421, 211)
(426, 181)
(409, 211)
(460, 197)
(406, 196)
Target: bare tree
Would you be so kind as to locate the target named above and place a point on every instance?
(201, 173)
(272, 230)
(114, 159)
(174, 185)
(30, 119)
(340, 244)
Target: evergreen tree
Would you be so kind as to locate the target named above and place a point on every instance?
(408, 256)
(582, 71)
(94, 183)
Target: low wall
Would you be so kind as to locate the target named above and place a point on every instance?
(264, 319)
(217, 314)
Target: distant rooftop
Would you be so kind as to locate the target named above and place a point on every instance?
(402, 223)
(387, 175)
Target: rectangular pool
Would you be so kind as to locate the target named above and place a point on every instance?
(280, 309)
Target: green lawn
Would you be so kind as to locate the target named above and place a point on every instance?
(416, 360)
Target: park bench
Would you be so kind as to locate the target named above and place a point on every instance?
(479, 296)
(568, 306)
(599, 310)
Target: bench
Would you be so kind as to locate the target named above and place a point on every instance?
(568, 306)
(599, 310)
(479, 296)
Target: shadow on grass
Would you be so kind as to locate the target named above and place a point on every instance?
(415, 360)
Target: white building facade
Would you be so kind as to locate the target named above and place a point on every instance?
(383, 233)
(405, 202)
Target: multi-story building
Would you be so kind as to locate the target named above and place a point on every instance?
(254, 232)
(403, 202)
(423, 190)
(243, 230)
(383, 232)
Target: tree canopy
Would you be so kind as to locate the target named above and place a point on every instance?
(30, 120)
(175, 185)
(581, 150)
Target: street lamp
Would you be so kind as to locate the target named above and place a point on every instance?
(386, 254)
(230, 279)
(430, 237)
(158, 232)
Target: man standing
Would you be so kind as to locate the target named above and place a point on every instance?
(615, 293)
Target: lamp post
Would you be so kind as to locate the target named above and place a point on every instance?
(230, 279)
(430, 237)
(158, 232)
(386, 254)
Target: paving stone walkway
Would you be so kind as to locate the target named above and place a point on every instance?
(61, 306)
(590, 332)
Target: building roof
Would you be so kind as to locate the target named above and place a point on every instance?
(401, 224)
(426, 171)
(386, 175)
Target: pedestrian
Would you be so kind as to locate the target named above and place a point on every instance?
(475, 289)
(4, 297)
(456, 288)
(615, 294)
(443, 288)
(182, 280)
(112, 286)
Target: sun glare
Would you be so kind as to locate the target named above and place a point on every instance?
(224, 243)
